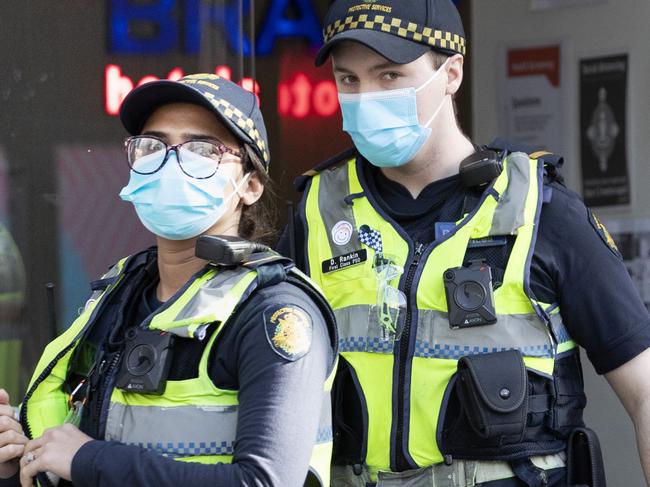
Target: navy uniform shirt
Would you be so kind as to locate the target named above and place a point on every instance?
(572, 265)
(279, 404)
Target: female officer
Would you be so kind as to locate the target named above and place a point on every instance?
(180, 371)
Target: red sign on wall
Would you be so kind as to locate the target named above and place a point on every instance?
(117, 84)
(310, 119)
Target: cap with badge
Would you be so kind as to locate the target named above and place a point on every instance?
(235, 107)
(399, 30)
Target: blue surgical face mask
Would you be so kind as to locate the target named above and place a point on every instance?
(384, 125)
(174, 205)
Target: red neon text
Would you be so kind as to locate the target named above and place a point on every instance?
(118, 85)
(301, 97)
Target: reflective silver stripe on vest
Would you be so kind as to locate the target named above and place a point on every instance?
(525, 332)
(509, 213)
(210, 299)
(334, 188)
(174, 431)
(359, 332)
(188, 430)
(112, 272)
(212, 293)
(560, 331)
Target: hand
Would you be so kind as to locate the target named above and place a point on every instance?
(53, 452)
(12, 439)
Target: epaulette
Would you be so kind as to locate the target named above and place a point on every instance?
(260, 259)
(552, 162)
(301, 181)
(271, 267)
(536, 152)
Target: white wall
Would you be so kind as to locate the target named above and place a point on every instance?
(617, 26)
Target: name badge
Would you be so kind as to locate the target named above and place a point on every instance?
(487, 242)
(347, 260)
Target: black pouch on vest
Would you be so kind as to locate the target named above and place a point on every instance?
(584, 459)
(493, 389)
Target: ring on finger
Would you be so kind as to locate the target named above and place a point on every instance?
(29, 458)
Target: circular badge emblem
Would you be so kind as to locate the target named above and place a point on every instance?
(342, 232)
(288, 330)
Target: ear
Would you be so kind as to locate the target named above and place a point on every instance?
(454, 74)
(253, 189)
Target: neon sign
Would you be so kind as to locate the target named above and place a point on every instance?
(169, 33)
(298, 97)
(302, 97)
(117, 85)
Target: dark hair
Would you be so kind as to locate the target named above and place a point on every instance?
(438, 58)
(258, 221)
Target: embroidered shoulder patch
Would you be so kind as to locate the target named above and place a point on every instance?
(604, 234)
(288, 330)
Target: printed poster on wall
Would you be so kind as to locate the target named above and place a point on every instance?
(533, 97)
(603, 115)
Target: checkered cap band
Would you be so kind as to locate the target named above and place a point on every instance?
(242, 121)
(371, 238)
(235, 115)
(401, 28)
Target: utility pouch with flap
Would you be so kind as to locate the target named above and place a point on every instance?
(493, 389)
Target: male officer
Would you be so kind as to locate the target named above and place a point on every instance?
(463, 279)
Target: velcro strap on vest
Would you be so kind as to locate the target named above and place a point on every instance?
(494, 390)
(259, 259)
(539, 153)
(271, 267)
(101, 284)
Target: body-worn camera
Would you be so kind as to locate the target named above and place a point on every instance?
(146, 361)
(226, 250)
(470, 298)
(480, 168)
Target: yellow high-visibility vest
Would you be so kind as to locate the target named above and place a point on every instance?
(193, 420)
(402, 385)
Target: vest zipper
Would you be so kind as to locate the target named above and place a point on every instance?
(400, 460)
(102, 388)
(42, 478)
(46, 372)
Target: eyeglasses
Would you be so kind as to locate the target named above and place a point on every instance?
(198, 159)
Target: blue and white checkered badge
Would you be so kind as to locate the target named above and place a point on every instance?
(372, 238)
(391, 302)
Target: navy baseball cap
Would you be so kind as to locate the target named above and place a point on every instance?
(399, 30)
(233, 105)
